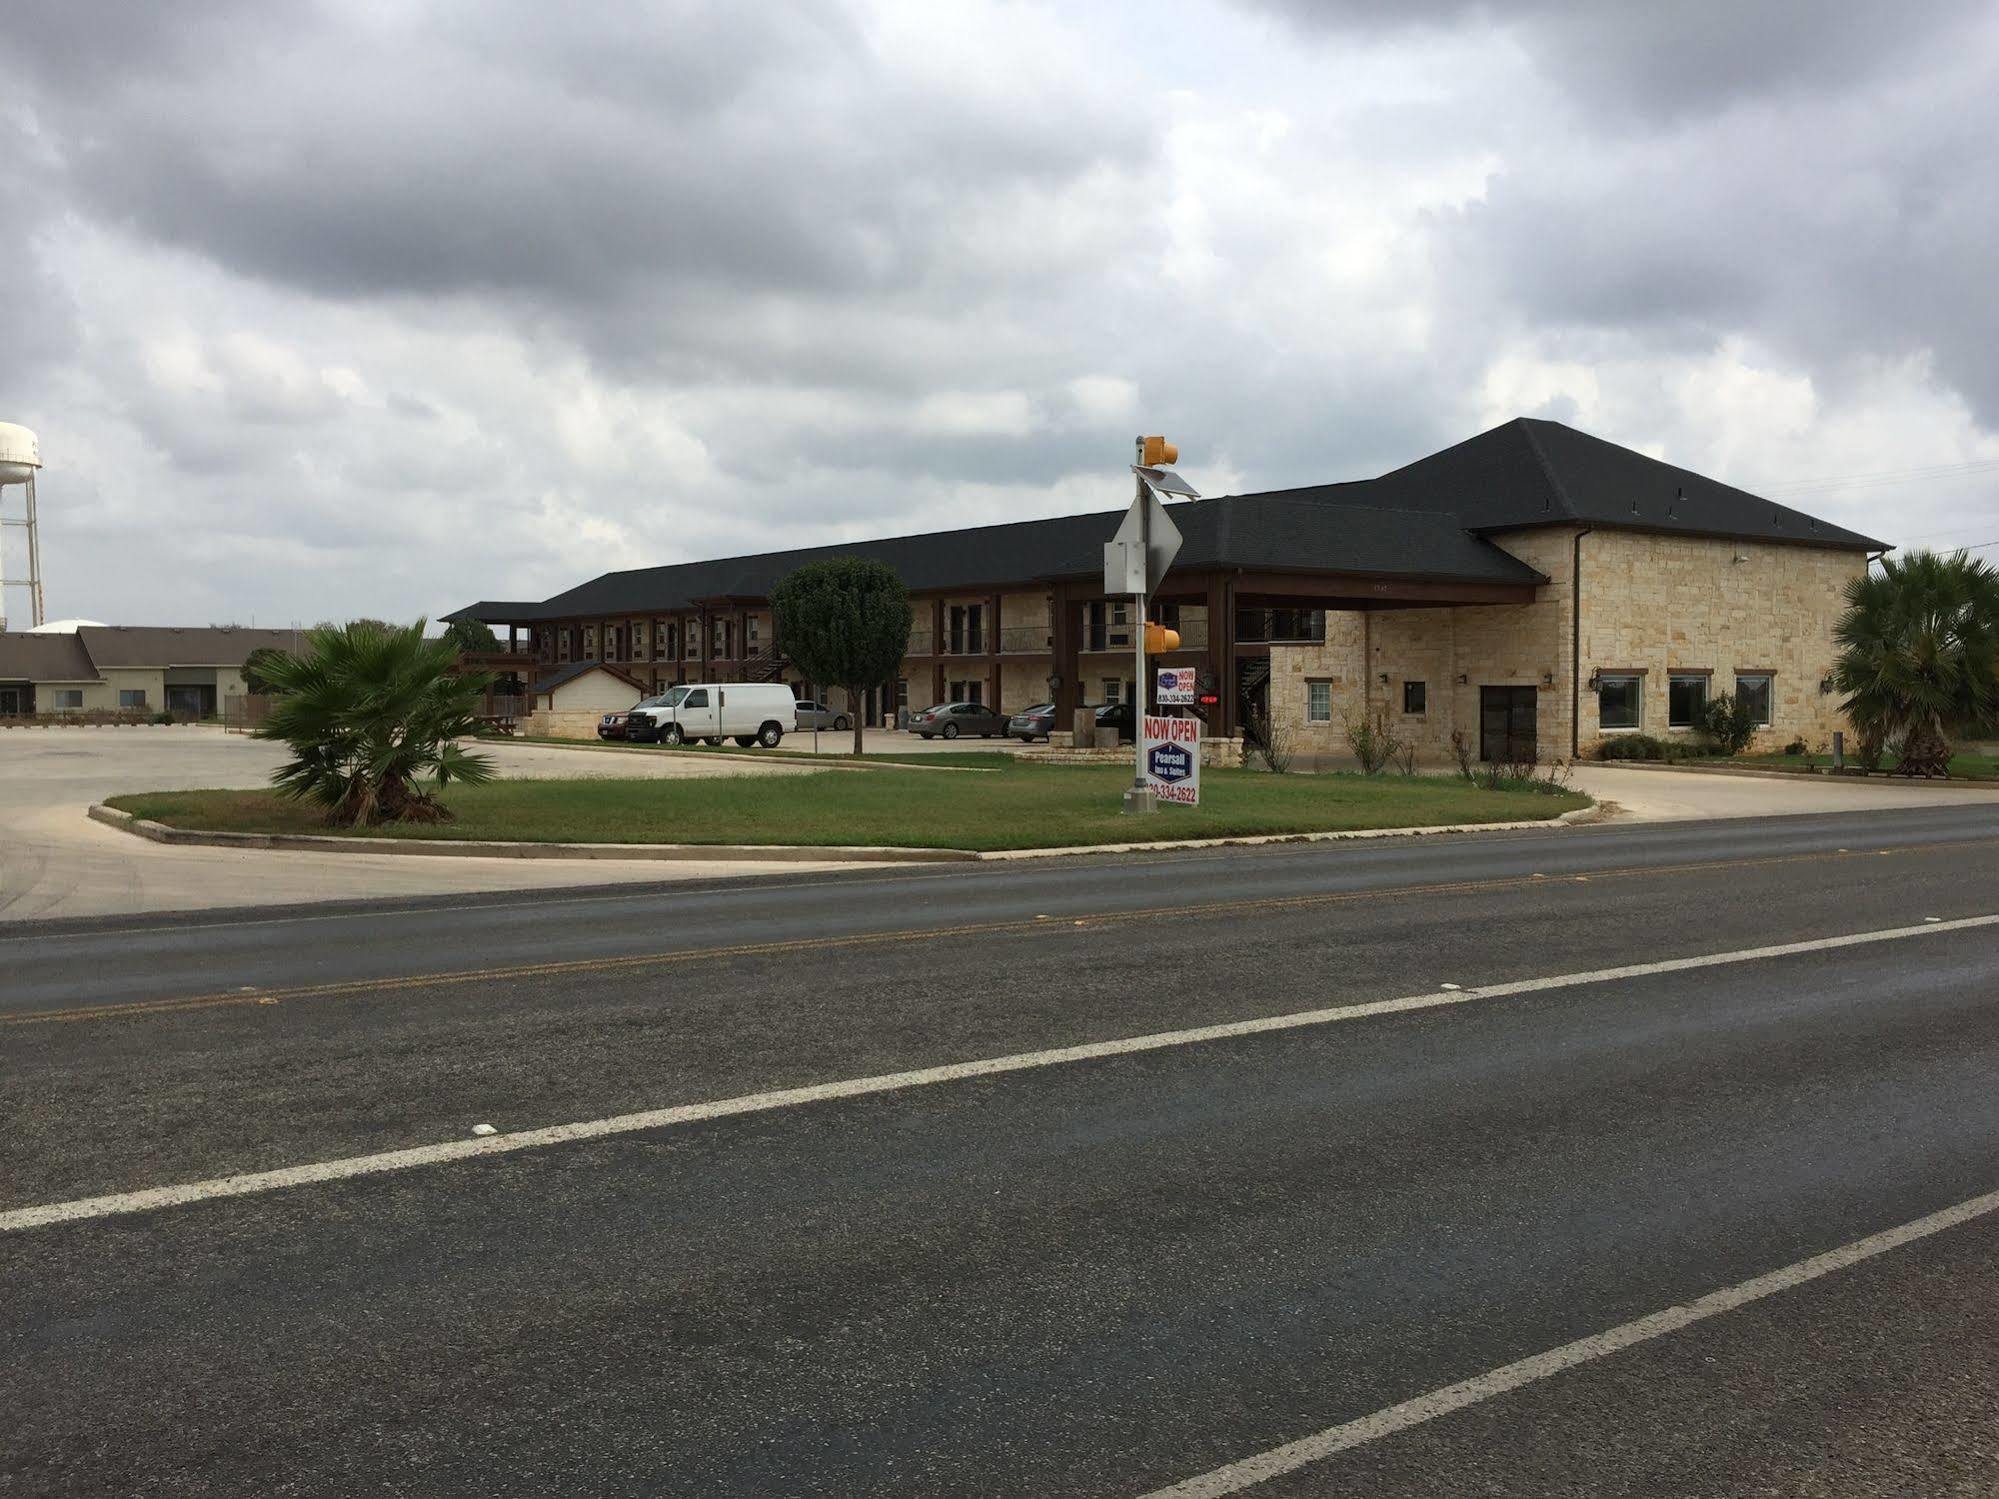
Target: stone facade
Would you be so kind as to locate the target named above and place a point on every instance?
(1651, 604)
(1660, 604)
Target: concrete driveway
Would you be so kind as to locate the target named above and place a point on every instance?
(55, 862)
(1670, 795)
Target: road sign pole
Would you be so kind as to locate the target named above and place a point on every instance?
(1140, 798)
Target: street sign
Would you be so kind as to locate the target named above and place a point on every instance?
(1174, 685)
(1172, 758)
(1136, 558)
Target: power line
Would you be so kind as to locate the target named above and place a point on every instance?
(1883, 476)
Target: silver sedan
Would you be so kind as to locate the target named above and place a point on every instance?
(813, 715)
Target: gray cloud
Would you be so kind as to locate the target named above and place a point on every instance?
(327, 308)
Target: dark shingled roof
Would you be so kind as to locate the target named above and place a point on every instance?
(1424, 520)
(1531, 472)
(44, 658)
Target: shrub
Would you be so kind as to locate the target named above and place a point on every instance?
(163, 717)
(1373, 743)
(1728, 722)
(1461, 752)
(1795, 747)
(1630, 747)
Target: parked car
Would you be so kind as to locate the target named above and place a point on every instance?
(813, 715)
(1030, 724)
(949, 720)
(747, 712)
(1120, 717)
(612, 726)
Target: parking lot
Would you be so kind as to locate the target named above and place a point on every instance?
(54, 861)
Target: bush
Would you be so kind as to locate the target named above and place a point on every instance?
(1373, 743)
(1795, 747)
(163, 718)
(1729, 724)
(1630, 747)
(1645, 747)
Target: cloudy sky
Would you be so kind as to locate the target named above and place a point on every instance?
(383, 306)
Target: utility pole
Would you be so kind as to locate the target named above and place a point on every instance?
(1140, 798)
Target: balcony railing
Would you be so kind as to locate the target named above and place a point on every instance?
(920, 643)
(1025, 640)
(965, 643)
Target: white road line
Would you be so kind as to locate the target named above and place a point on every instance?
(783, 1098)
(1238, 1476)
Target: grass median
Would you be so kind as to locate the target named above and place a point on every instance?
(1015, 807)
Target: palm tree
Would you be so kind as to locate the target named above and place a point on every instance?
(370, 711)
(1919, 655)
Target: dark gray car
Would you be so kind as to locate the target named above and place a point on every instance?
(949, 720)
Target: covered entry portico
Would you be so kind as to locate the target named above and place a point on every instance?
(1235, 623)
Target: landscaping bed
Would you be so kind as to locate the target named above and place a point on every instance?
(1016, 807)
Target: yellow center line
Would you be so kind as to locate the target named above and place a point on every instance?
(1038, 924)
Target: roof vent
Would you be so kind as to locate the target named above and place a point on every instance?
(1673, 510)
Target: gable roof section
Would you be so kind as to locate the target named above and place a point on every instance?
(1531, 472)
(27, 657)
(163, 646)
(562, 676)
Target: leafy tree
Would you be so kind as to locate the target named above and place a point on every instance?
(845, 621)
(1729, 722)
(471, 635)
(256, 668)
(369, 711)
(1919, 655)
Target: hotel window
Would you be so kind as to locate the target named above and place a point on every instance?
(1415, 697)
(1753, 692)
(563, 637)
(131, 697)
(662, 640)
(1686, 699)
(640, 638)
(69, 699)
(1318, 702)
(1112, 686)
(589, 642)
(1618, 701)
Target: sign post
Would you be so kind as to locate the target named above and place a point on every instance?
(1135, 560)
(1172, 758)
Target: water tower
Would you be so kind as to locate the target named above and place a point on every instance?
(20, 456)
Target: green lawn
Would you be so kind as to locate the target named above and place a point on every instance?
(1018, 806)
(1971, 767)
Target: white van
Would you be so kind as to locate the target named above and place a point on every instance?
(747, 712)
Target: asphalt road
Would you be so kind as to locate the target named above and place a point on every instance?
(1093, 1276)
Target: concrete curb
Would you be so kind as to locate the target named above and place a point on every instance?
(755, 852)
(1258, 840)
(713, 853)
(1768, 773)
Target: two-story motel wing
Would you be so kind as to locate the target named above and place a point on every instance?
(1533, 584)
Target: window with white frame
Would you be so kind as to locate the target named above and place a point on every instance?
(1753, 691)
(1318, 702)
(1112, 687)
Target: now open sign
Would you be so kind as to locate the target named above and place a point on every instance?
(1172, 757)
